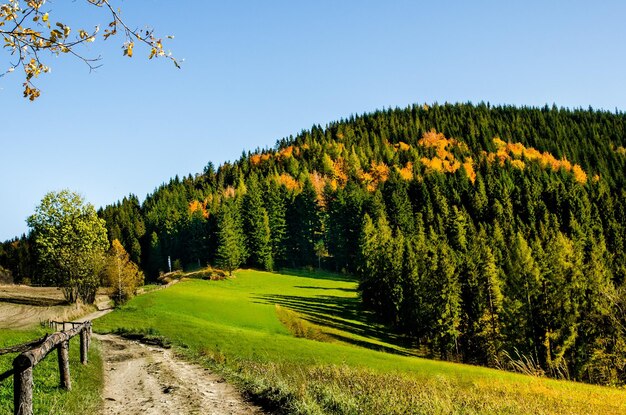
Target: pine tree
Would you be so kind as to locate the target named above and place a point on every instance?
(276, 209)
(479, 199)
(305, 225)
(230, 249)
(197, 241)
(596, 311)
(491, 287)
(482, 303)
(256, 227)
(265, 243)
(563, 293)
(155, 260)
(400, 209)
(448, 302)
(376, 206)
(411, 311)
(457, 229)
(368, 264)
(392, 246)
(522, 289)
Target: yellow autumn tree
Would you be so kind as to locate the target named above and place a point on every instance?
(255, 159)
(340, 171)
(506, 151)
(31, 33)
(380, 171)
(406, 172)
(285, 153)
(469, 169)
(196, 205)
(288, 181)
(121, 274)
(318, 182)
(579, 174)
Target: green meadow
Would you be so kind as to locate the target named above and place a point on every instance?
(298, 342)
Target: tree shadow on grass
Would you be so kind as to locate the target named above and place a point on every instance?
(318, 275)
(345, 315)
(345, 290)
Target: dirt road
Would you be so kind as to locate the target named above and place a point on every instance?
(139, 379)
(148, 380)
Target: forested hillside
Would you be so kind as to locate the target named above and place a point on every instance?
(484, 234)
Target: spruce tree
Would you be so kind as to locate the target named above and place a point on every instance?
(367, 268)
(491, 288)
(448, 302)
(305, 225)
(256, 227)
(276, 210)
(521, 291)
(196, 242)
(155, 258)
(230, 249)
(399, 208)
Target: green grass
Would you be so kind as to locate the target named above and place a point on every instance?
(150, 287)
(48, 398)
(300, 343)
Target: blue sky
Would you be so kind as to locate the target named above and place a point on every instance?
(257, 71)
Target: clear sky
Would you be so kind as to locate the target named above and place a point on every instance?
(257, 71)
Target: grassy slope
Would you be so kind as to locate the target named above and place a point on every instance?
(234, 326)
(47, 397)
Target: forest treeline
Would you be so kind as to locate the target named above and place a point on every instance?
(488, 235)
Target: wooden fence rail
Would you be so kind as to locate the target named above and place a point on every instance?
(19, 349)
(60, 325)
(23, 347)
(24, 363)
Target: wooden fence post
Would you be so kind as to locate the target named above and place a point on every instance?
(64, 364)
(35, 352)
(22, 388)
(84, 346)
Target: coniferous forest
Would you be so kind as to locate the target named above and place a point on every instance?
(482, 234)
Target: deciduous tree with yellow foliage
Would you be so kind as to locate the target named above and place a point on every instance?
(121, 274)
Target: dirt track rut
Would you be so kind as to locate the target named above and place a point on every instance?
(148, 380)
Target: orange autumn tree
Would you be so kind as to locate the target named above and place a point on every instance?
(121, 274)
(444, 160)
(288, 181)
(196, 205)
(514, 151)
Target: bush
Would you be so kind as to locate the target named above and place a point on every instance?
(169, 277)
(209, 273)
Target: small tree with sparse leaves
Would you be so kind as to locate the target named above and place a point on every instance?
(121, 274)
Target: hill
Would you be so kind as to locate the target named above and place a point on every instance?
(476, 232)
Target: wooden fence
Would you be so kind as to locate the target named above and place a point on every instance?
(33, 352)
(60, 325)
